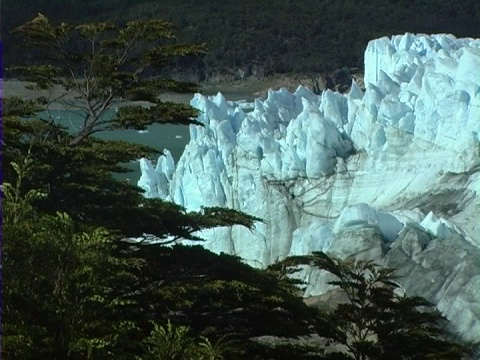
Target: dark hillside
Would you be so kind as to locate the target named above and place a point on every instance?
(263, 37)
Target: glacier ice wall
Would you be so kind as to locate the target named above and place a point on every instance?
(390, 174)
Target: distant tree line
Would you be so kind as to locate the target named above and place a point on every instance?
(260, 38)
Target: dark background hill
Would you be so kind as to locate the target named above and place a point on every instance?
(261, 37)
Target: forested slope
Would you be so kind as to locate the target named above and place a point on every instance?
(263, 37)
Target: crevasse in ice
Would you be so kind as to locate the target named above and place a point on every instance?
(390, 174)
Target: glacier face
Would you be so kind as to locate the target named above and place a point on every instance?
(390, 174)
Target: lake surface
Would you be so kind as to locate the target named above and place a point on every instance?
(171, 137)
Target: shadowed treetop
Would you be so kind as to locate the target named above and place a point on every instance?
(104, 65)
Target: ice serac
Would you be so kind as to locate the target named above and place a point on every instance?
(390, 174)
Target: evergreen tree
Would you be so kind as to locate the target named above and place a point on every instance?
(74, 292)
(66, 216)
(76, 287)
(377, 323)
(58, 299)
(102, 65)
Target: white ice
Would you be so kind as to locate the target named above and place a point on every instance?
(400, 160)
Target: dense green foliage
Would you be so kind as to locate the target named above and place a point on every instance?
(102, 64)
(75, 291)
(78, 180)
(177, 342)
(282, 36)
(78, 290)
(58, 300)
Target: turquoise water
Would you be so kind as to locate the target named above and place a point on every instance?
(171, 137)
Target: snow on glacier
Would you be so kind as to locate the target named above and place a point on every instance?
(362, 174)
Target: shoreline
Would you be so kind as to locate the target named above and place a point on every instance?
(248, 89)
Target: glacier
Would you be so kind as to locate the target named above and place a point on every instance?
(389, 174)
